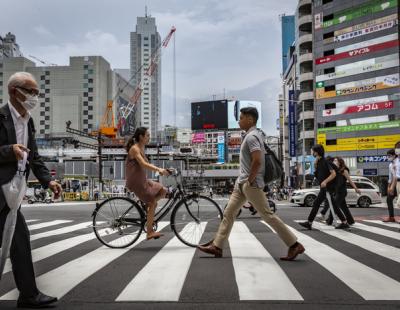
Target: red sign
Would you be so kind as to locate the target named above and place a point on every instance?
(359, 108)
(53, 172)
(357, 52)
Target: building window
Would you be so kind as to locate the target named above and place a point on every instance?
(85, 121)
(47, 73)
(328, 35)
(42, 104)
(47, 118)
(329, 70)
(85, 76)
(42, 113)
(47, 127)
(86, 67)
(41, 122)
(90, 90)
(90, 116)
(85, 85)
(42, 77)
(85, 112)
(47, 99)
(47, 91)
(90, 71)
(85, 94)
(146, 38)
(85, 103)
(47, 109)
(329, 52)
(42, 131)
(90, 108)
(90, 80)
(47, 82)
(90, 98)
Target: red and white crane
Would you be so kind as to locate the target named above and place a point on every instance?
(155, 59)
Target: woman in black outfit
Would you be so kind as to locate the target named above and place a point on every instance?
(342, 177)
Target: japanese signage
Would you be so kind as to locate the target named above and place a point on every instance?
(318, 21)
(292, 124)
(370, 172)
(199, 137)
(381, 82)
(358, 51)
(369, 8)
(372, 159)
(359, 108)
(359, 144)
(361, 127)
(365, 28)
(221, 148)
(367, 43)
(368, 65)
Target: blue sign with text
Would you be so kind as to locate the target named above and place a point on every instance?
(292, 125)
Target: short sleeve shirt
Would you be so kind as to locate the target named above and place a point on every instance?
(251, 143)
(323, 171)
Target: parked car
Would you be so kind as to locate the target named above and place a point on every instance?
(369, 194)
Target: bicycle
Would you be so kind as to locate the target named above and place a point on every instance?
(194, 219)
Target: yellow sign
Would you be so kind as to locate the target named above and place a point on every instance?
(321, 93)
(360, 143)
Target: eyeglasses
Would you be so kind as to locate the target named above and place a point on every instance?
(30, 91)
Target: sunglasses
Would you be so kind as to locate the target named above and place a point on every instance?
(30, 91)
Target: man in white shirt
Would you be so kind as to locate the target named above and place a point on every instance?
(17, 135)
(392, 184)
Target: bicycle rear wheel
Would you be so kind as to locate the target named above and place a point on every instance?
(118, 222)
(196, 219)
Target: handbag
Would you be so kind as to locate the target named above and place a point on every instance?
(273, 166)
(14, 192)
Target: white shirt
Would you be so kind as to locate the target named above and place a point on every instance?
(21, 128)
(20, 125)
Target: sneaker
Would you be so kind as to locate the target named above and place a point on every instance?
(342, 226)
(306, 224)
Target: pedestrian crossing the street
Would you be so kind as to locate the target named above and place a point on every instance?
(362, 264)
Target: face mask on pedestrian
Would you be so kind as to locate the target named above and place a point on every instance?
(336, 162)
(31, 101)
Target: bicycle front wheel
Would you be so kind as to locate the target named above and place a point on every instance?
(118, 222)
(196, 219)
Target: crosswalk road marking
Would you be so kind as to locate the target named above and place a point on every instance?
(258, 275)
(392, 225)
(365, 281)
(57, 247)
(60, 231)
(171, 265)
(373, 246)
(47, 224)
(61, 280)
(31, 221)
(378, 231)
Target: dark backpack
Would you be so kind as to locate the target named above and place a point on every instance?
(273, 166)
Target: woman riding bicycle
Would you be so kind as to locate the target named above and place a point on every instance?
(147, 191)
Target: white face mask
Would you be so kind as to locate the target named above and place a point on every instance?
(31, 101)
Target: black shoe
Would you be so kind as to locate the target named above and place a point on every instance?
(306, 225)
(342, 226)
(39, 301)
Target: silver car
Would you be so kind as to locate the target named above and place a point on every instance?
(369, 194)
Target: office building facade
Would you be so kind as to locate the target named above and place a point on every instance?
(288, 37)
(144, 43)
(356, 51)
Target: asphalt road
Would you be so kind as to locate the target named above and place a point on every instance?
(356, 269)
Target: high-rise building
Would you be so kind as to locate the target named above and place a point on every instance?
(144, 43)
(288, 25)
(9, 46)
(356, 51)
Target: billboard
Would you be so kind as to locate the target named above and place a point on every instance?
(234, 112)
(358, 144)
(210, 115)
(199, 137)
(359, 108)
(361, 127)
(292, 124)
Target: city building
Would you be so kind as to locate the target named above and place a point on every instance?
(9, 46)
(356, 52)
(144, 43)
(288, 33)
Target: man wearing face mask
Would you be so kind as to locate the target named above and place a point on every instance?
(392, 183)
(17, 135)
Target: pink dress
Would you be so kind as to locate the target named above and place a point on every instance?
(137, 182)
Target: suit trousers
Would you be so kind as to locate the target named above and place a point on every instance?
(241, 194)
(20, 255)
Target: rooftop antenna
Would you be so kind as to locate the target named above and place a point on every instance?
(145, 11)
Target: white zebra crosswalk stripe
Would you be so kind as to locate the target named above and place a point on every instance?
(373, 246)
(60, 231)
(31, 221)
(171, 265)
(365, 281)
(258, 275)
(47, 224)
(61, 280)
(378, 231)
(57, 247)
(387, 224)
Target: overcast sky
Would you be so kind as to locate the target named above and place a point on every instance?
(231, 44)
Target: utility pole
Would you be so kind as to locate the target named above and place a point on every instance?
(99, 145)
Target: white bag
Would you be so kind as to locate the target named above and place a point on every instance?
(14, 192)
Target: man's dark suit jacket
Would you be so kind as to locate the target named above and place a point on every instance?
(8, 161)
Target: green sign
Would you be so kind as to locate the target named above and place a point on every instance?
(361, 127)
(320, 84)
(369, 8)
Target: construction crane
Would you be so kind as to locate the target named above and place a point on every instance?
(107, 126)
(127, 110)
